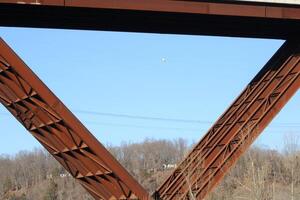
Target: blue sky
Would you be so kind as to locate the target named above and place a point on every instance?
(153, 75)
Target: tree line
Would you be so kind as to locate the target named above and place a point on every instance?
(261, 174)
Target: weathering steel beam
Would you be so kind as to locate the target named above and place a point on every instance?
(61, 133)
(237, 128)
(53, 125)
(221, 18)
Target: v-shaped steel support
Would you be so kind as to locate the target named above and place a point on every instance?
(61, 133)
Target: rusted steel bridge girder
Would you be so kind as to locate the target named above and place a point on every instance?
(199, 17)
(61, 133)
(52, 124)
(237, 128)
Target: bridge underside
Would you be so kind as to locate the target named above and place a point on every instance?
(214, 17)
(62, 134)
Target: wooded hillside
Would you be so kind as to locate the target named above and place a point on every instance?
(261, 174)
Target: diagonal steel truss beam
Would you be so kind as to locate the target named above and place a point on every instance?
(237, 128)
(61, 133)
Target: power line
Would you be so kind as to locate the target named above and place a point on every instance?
(144, 127)
(166, 128)
(279, 124)
(143, 117)
(136, 117)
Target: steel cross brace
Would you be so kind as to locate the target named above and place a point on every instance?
(61, 133)
(237, 128)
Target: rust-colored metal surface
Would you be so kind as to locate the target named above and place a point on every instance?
(237, 128)
(61, 133)
(221, 7)
(58, 130)
(227, 18)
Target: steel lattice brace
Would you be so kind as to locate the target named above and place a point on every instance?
(237, 128)
(58, 130)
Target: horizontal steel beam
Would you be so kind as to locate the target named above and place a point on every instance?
(226, 18)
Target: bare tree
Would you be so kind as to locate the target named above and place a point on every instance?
(291, 149)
